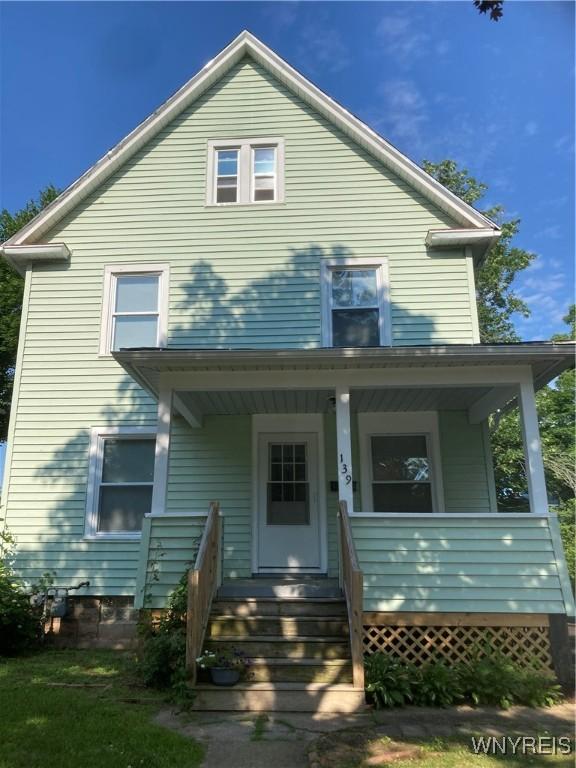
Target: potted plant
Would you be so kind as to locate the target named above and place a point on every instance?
(226, 665)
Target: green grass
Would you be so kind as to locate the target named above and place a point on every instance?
(102, 720)
(355, 749)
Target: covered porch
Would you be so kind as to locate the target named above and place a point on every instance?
(281, 437)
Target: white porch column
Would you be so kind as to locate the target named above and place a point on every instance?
(344, 444)
(165, 398)
(532, 447)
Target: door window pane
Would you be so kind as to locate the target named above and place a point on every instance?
(122, 508)
(137, 293)
(287, 488)
(128, 461)
(400, 457)
(355, 328)
(135, 331)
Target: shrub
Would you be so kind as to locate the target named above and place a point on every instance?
(389, 683)
(436, 685)
(487, 678)
(19, 621)
(162, 653)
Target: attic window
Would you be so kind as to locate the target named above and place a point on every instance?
(245, 172)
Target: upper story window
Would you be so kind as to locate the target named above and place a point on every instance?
(121, 481)
(245, 171)
(135, 307)
(355, 303)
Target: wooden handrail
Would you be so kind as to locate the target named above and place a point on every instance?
(203, 581)
(353, 584)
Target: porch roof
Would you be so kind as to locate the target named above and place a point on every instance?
(241, 392)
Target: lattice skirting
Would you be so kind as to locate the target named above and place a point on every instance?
(419, 644)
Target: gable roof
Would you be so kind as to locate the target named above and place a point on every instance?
(246, 44)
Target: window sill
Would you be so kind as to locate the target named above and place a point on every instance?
(112, 537)
(263, 204)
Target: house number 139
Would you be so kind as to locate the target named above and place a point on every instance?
(345, 470)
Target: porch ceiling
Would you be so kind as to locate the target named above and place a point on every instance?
(476, 377)
(229, 402)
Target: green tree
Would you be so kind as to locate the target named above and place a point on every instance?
(497, 301)
(11, 289)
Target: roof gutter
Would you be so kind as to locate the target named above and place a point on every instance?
(18, 256)
(479, 240)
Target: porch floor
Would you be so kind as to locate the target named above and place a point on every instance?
(283, 586)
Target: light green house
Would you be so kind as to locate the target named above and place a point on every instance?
(255, 299)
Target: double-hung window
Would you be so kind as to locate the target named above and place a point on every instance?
(245, 171)
(121, 481)
(401, 476)
(356, 306)
(400, 462)
(135, 307)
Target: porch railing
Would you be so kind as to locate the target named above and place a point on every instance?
(353, 584)
(203, 581)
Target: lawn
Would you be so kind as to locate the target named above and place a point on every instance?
(100, 718)
(358, 749)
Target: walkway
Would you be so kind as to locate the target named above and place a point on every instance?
(294, 740)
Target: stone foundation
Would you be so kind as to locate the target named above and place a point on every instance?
(95, 622)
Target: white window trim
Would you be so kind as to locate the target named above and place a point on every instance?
(111, 272)
(382, 285)
(388, 423)
(98, 435)
(245, 147)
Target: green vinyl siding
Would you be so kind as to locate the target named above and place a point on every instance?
(240, 276)
(465, 468)
(169, 548)
(466, 564)
(214, 464)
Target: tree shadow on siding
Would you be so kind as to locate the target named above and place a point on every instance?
(226, 308)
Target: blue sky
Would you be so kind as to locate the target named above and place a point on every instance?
(436, 79)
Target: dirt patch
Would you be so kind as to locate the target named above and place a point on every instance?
(359, 747)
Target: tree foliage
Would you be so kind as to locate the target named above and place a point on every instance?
(11, 290)
(494, 8)
(497, 301)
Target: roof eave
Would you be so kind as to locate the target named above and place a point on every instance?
(19, 256)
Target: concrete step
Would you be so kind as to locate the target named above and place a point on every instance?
(280, 697)
(276, 606)
(284, 587)
(279, 626)
(300, 671)
(297, 647)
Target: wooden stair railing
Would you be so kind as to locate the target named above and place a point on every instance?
(203, 581)
(353, 584)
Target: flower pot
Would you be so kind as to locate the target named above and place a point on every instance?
(223, 676)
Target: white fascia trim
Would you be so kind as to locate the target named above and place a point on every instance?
(247, 44)
(20, 255)
(451, 238)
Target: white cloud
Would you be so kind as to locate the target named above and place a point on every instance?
(323, 48)
(403, 113)
(553, 231)
(401, 37)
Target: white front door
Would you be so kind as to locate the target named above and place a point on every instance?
(288, 504)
